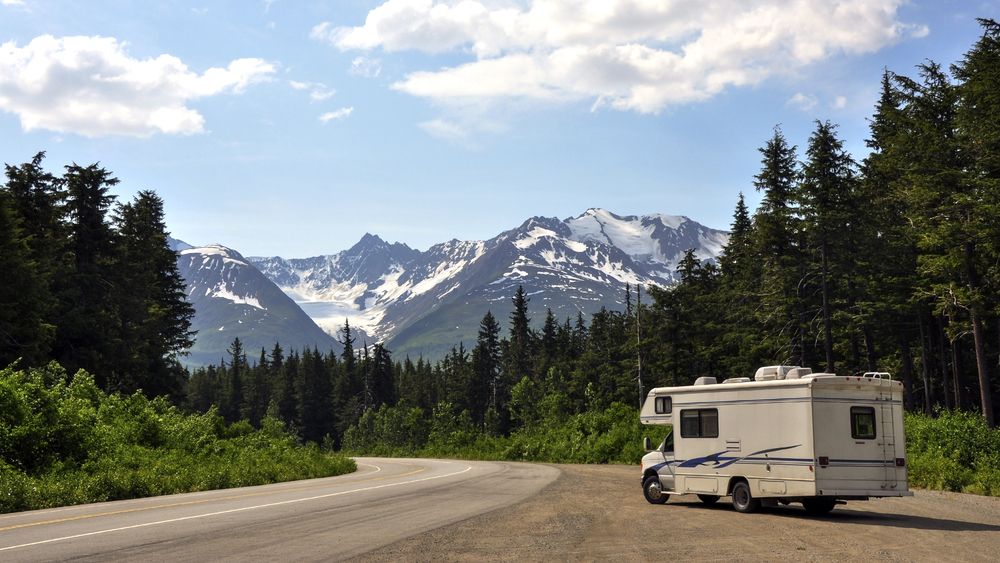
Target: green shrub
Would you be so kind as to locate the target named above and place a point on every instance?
(954, 451)
(70, 444)
(612, 435)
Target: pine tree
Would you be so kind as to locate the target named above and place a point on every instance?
(23, 331)
(486, 366)
(517, 358)
(150, 307)
(35, 201)
(826, 193)
(978, 119)
(86, 332)
(781, 309)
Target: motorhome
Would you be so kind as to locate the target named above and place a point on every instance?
(786, 436)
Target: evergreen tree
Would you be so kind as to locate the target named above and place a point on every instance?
(23, 331)
(782, 269)
(486, 367)
(517, 356)
(977, 119)
(826, 193)
(151, 309)
(86, 332)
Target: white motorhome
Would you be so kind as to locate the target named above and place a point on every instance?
(788, 435)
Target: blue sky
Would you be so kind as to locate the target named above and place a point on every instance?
(292, 128)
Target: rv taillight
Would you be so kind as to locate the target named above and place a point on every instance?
(900, 462)
(824, 461)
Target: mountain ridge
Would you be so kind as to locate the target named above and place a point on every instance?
(575, 264)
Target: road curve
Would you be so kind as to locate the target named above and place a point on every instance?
(330, 519)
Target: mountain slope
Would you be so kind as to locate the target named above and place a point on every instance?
(233, 299)
(425, 302)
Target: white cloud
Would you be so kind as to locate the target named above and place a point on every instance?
(445, 130)
(320, 95)
(12, 2)
(339, 114)
(90, 86)
(319, 90)
(366, 67)
(640, 55)
(267, 5)
(802, 101)
(839, 102)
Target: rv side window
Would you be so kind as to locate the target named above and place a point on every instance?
(663, 405)
(863, 423)
(700, 423)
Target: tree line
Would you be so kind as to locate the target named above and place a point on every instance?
(495, 386)
(90, 282)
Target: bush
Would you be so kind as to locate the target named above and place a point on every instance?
(612, 435)
(63, 444)
(955, 451)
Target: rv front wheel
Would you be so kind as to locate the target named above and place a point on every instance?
(653, 490)
(743, 501)
(709, 499)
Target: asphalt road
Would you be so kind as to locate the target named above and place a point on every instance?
(318, 520)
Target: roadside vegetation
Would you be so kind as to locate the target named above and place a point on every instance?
(953, 451)
(63, 441)
(611, 435)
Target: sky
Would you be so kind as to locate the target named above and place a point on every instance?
(292, 128)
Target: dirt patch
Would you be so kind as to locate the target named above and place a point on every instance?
(597, 513)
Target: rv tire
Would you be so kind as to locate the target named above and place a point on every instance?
(743, 501)
(653, 490)
(709, 499)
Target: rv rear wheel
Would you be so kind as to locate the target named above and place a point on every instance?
(819, 505)
(743, 501)
(653, 490)
(709, 499)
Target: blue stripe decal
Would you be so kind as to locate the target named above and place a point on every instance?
(788, 400)
(719, 461)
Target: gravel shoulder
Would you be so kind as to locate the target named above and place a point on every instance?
(597, 513)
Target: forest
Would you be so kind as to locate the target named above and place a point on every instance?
(890, 263)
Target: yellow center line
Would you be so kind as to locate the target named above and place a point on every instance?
(85, 516)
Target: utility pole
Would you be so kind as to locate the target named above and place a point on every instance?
(638, 341)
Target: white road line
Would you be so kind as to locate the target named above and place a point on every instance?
(467, 469)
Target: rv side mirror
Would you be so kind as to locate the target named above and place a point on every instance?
(648, 444)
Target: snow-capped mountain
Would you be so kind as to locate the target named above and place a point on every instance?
(420, 301)
(233, 299)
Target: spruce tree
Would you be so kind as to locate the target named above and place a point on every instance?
(24, 333)
(826, 193)
(150, 306)
(781, 309)
(87, 335)
(978, 120)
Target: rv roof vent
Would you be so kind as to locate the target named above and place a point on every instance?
(798, 373)
(737, 380)
(705, 381)
(769, 373)
(766, 373)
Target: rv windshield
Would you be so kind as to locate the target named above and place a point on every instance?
(668, 443)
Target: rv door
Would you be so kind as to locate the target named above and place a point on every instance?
(666, 469)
